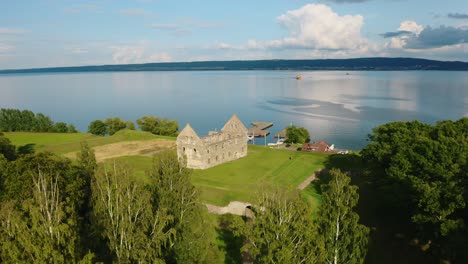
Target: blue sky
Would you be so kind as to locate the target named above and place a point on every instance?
(47, 33)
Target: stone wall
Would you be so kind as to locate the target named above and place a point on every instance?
(217, 148)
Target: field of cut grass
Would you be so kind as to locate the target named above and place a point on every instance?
(242, 179)
(61, 143)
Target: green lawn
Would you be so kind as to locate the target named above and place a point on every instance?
(239, 180)
(68, 142)
(242, 179)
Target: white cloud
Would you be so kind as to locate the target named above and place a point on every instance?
(411, 26)
(314, 27)
(317, 26)
(400, 41)
(138, 54)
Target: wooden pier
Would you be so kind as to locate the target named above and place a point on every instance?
(258, 129)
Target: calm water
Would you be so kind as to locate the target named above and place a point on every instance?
(333, 106)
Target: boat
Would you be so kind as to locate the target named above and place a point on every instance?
(298, 77)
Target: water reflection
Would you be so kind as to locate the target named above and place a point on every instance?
(334, 106)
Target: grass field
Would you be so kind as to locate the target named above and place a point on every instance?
(242, 179)
(239, 180)
(61, 143)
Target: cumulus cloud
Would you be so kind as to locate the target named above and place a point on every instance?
(438, 37)
(458, 15)
(411, 26)
(411, 35)
(398, 39)
(398, 33)
(316, 26)
(137, 54)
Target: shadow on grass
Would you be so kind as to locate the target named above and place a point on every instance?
(231, 244)
(391, 230)
(26, 149)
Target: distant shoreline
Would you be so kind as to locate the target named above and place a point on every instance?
(357, 64)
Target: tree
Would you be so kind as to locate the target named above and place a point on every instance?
(43, 123)
(134, 229)
(6, 148)
(114, 124)
(158, 126)
(97, 127)
(60, 127)
(130, 125)
(174, 192)
(71, 129)
(41, 230)
(297, 135)
(345, 239)
(424, 168)
(282, 229)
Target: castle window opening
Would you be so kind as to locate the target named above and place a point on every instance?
(195, 150)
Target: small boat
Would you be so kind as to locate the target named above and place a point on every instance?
(298, 77)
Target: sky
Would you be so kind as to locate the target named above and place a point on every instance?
(53, 33)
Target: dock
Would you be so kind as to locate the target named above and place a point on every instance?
(258, 129)
(281, 134)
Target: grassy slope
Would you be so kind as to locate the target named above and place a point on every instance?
(242, 179)
(237, 180)
(62, 143)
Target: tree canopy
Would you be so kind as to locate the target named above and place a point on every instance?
(15, 120)
(158, 126)
(423, 168)
(297, 135)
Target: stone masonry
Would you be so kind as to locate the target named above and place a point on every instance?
(216, 148)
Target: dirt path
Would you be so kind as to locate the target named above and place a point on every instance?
(309, 179)
(129, 148)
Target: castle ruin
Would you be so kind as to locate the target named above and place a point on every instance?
(216, 148)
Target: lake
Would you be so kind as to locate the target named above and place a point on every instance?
(334, 106)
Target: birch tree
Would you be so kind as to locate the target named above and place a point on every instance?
(39, 231)
(136, 232)
(345, 239)
(173, 191)
(282, 230)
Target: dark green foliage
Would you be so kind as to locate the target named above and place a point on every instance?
(282, 230)
(12, 120)
(132, 226)
(6, 148)
(114, 124)
(345, 239)
(174, 192)
(423, 168)
(158, 126)
(130, 125)
(60, 127)
(97, 127)
(297, 135)
(42, 195)
(71, 129)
